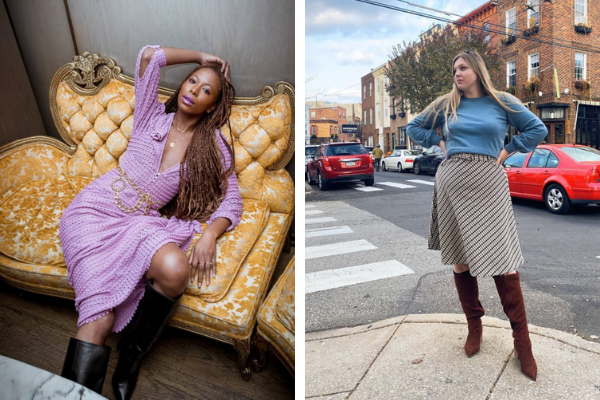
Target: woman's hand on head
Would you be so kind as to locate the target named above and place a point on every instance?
(443, 145)
(203, 259)
(502, 157)
(224, 65)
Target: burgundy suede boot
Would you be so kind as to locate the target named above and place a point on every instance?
(509, 289)
(468, 293)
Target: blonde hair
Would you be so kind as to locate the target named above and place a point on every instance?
(448, 103)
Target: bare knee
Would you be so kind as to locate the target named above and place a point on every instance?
(172, 274)
(460, 268)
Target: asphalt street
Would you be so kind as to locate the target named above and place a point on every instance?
(560, 277)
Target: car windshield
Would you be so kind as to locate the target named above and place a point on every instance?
(346, 150)
(581, 154)
(309, 151)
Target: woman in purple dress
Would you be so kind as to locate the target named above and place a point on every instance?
(126, 262)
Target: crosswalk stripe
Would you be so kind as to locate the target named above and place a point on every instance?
(421, 182)
(366, 188)
(334, 230)
(319, 220)
(335, 278)
(312, 212)
(394, 184)
(337, 249)
(310, 206)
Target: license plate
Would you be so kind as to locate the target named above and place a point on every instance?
(350, 163)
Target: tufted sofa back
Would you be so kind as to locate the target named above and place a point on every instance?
(92, 105)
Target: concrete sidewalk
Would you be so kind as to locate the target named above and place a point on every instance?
(421, 356)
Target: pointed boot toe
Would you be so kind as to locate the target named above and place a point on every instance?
(473, 343)
(529, 371)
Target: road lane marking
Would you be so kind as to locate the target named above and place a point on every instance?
(421, 182)
(319, 220)
(366, 188)
(310, 206)
(337, 249)
(396, 185)
(312, 212)
(335, 278)
(334, 230)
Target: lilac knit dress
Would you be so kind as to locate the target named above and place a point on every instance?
(108, 250)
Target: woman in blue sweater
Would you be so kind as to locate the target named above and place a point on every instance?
(472, 220)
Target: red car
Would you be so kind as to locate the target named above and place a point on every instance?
(340, 162)
(560, 175)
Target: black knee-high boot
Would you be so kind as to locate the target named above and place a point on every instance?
(86, 363)
(150, 319)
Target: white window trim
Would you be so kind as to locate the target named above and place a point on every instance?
(370, 116)
(584, 74)
(370, 89)
(529, 12)
(364, 92)
(529, 57)
(508, 72)
(582, 19)
(507, 20)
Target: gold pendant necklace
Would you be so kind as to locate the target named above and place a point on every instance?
(172, 144)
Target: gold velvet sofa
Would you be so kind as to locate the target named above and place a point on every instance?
(92, 104)
(276, 328)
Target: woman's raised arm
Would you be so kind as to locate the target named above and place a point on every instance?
(176, 56)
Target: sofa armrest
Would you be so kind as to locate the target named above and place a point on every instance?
(31, 159)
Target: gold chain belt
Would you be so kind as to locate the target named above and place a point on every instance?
(144, 197)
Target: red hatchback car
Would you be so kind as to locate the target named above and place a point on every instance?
(560, 175)
(340, 162)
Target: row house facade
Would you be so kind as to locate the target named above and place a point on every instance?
(484, 17)
(368, 106)
(325, 123)
(558, 84)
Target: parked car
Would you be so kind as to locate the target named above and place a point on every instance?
(559, 175)
(400, 160)
(370, 150)
(429, 160)
(340, 162)
(309, 150)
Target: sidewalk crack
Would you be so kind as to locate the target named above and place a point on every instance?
(500, 374)
(375, 359)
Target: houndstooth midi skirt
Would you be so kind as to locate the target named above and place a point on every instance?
(472, 219)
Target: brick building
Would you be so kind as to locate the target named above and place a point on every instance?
(325, 123)
(572, 112)
(484, 16)
(368, 108)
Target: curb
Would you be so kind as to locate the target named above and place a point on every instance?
(563, 337)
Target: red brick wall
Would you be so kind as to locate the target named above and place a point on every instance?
(478, 17)
(556, 20)
(368, 103)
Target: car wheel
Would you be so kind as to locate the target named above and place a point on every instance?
(369, 182)
(556, 199)
(400, 167)
(383, 167)
(417, 168)
(322, 184)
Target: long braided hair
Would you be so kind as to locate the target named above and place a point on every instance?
(203, 179)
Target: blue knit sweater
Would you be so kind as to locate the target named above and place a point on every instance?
(481, 128)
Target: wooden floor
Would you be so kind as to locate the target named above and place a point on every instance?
(36, 329)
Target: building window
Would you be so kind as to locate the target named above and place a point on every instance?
(370, 89)
(402, 136)
(365, 118)
(533, 13)
(553, 113)
(534, 66)
(378, 116)
(364, 92)
(371, 116)
(511, 74)
(339, 115)
(312, 114)
(511, 22)
(580, 63)
(486, 29)
(313, 130)
(580, 12)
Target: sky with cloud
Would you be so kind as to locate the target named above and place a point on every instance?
(345, 39)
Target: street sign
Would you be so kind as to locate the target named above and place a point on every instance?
(349, 129)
